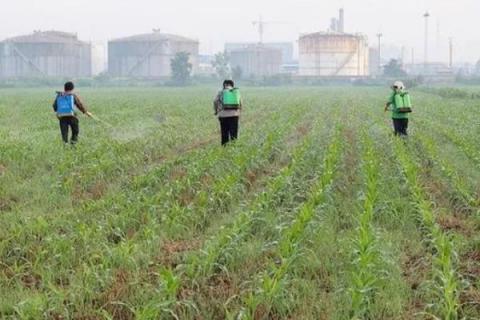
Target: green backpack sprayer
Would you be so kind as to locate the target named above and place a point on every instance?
(231, 99)
(403, 103)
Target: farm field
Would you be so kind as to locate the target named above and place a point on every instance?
(316, 212)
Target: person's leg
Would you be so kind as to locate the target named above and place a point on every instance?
(224, 130)
(396, 126)
(405, 127)
(75, 130)
(234, 128)
(64, 129)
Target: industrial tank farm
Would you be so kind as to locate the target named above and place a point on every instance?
(333, 54)
(148, 55)
(45, 54)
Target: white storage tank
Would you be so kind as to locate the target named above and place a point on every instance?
(148, 55)
(45, 54)
(333, 54)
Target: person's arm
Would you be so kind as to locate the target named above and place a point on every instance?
(216, 104)
(54, 106)
(389, 103)
(80, 106)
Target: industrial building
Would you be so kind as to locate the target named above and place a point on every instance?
(333, 53)
(285, 47)
(45, 54)
(257, 60)
(148, 55)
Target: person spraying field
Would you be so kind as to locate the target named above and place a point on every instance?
(65, 106)
(227, 107)
(400, 104)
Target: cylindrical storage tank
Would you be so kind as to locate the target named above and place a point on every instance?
(333, 55)
(149, 55)
(45, 54)
(257, 60)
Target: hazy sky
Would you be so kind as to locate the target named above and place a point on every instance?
(214, 22)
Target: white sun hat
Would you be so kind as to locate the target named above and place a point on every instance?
(399, 85)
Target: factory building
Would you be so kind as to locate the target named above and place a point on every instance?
(256, 60)
(45, 54)
(149, 55)
(285, 47)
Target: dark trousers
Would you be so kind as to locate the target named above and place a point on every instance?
(69, 122)
(400, 126)
(229, 128)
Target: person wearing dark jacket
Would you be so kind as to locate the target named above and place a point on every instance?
(227, 107)
(64, 106)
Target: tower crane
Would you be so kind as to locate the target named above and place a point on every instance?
(260, 24)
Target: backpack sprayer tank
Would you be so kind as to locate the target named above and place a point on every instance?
(65, 105)
(403, 103)
(231, 98)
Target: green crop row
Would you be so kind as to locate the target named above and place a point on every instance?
(446, 284)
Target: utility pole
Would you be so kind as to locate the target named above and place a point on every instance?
(450, 61)
(261, 28)
(379, 36)
(426, 16)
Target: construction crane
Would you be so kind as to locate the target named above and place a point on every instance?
(260, 24)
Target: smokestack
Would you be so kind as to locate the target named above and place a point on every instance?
(341, 21)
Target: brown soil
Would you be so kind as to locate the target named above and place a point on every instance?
(470, 265)
(440, 195)
(178, 173)
(97, 190)
(31, 280)
(415, 271)
(93, 192)
(171, 251)
(453, 223)
(8, 202)
(221, 287)
(117, 292)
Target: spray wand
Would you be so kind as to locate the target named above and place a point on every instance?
(89, 114)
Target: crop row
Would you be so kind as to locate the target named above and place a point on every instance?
(446, 283)
(272, 281)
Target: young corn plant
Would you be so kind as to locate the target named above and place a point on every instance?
(366, 253)
(463, 141)
(459, 184)
(272, 282)
(224, 190)
(445, 283)
(229, 236)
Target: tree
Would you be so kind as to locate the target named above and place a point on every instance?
(221, 65)
(237, 72)
(181, 68)
(394, 69)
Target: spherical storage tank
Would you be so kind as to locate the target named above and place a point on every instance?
(45, 54)
(333, 54)
(148, 55)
